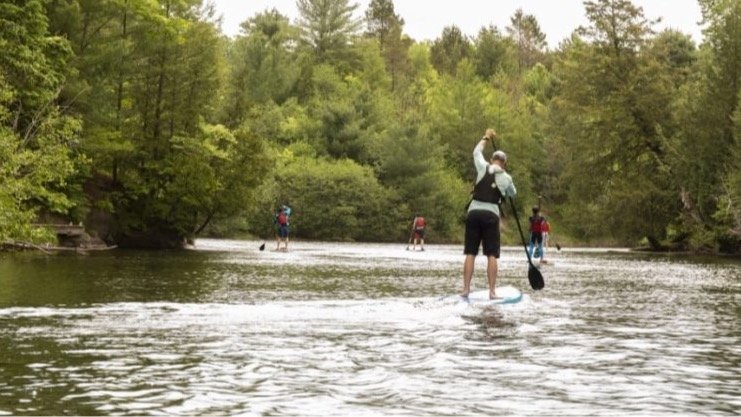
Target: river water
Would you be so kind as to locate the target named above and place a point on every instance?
(340, 329)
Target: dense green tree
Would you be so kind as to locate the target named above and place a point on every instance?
(449, 49)
(338, 200)
(459, 109)
(710, 136)
(729, 209)
(33, 62)
(102, 35)
(209, 178)
(282, 125)
(387, 27)
(327, 28)
(333, 105)
(381, 20)
(147, 84)
(613, 117)
(358, 133)
(678, 51)
(262, 65)
(524, 30)
(727, 233)
(38, 161)
(172, 99)
(617, 26)
(493, 53)
(346, 112)
(539, 83)
(416, 166)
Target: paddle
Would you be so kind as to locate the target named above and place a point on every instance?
(556, 243)
(533, 274)
(262, 247)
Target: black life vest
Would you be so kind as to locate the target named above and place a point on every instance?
(486, 190)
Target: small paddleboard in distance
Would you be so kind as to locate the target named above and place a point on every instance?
(506, 295)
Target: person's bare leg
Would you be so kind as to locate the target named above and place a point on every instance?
(492, 267)
(467, 274)
(285, 245)
(422, 244)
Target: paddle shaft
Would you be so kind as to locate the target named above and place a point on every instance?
(411, 238)
(517, 220)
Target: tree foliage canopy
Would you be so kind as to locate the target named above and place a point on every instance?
(142, 120)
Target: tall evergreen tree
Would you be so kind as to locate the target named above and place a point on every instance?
(386, 26)
(678, 51)
(328, 27)
(524, 30)
(381, 19)
(262, 65)
(710, 138)
(613, 117)
(493, 52)
(449, 49)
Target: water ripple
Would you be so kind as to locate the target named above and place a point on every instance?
(358, 329)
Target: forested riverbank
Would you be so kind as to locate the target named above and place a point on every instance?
(142, 121)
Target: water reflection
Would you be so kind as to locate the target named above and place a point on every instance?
(358, 329)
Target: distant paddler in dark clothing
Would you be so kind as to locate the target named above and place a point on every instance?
(493, 184)
(419, 229)
(546, 228)
(535, 246)
(282, 226)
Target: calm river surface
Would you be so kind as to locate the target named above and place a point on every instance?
(341, 329)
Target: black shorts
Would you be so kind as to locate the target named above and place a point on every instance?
(283, 231)
(536, 238)
(419, 233)
(482, 225)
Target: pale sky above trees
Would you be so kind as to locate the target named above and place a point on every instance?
(426, 20)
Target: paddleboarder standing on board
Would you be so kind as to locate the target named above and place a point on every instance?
(493, 184)
(535, 246)
(419, 228)
(546, 244)
(282, 223)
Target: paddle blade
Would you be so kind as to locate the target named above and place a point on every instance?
(558, 246)
(262, 247)
(535, 278)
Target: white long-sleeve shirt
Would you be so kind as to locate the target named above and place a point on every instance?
(503, 180)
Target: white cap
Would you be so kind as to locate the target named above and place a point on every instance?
(500, 156)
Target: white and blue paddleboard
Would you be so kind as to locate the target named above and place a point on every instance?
(506, 295)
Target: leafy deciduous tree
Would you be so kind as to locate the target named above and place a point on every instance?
(38, 161)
